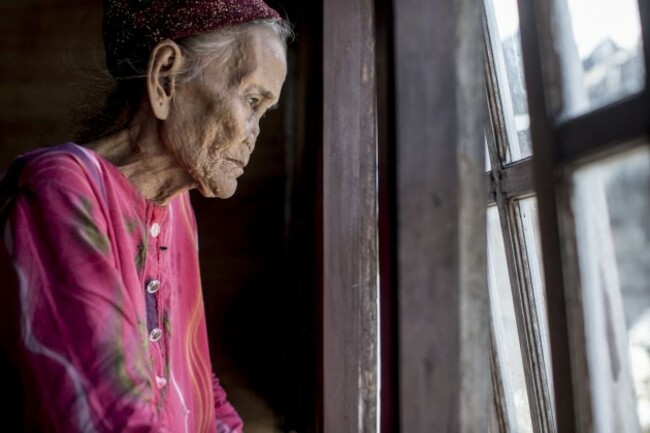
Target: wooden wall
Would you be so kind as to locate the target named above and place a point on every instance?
(47, 49)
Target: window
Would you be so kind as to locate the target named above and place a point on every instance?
(610, 204)
(585, 68)
(568, 175)
(601, 59)
(521, 356)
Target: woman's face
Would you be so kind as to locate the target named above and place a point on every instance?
(214, 120)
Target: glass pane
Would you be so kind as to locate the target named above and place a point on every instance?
(601, 55)
(506, 336)
(503, 25)
(488, 166)
(611, 205)
(529, 225)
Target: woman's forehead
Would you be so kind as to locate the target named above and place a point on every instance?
(260, 53)
(257, 65)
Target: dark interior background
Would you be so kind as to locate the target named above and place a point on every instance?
(259, 249)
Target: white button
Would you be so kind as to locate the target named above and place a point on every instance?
(155, 230)
(161, 381)
(153, 286)
(155, 334)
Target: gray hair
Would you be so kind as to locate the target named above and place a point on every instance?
(121, 101)
(204, 49)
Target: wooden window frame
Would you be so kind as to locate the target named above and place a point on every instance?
(350, 237)
(507, 183)
(427, 116)
(440, 224)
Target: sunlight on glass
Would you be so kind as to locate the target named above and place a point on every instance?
(611, 205)
(488, 166)
(529, 225)
(503, 25)
(601, 53)
(505, 329)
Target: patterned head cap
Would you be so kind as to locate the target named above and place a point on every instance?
(133, 27)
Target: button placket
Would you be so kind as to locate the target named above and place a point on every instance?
(153, 286)
(155, 292)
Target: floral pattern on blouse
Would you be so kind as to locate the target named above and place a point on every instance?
(111, 334)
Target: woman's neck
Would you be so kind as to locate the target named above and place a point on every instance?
(145, 162)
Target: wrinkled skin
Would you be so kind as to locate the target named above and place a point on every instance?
(214, 122)
(199, 134)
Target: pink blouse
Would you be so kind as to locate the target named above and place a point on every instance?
(109, 329)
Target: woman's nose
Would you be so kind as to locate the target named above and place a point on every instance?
(255, 131)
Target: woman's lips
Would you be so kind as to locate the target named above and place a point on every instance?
(238, 168)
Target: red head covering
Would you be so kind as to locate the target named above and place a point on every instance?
(133, 27)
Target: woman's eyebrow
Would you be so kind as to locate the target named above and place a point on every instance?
(262, 91)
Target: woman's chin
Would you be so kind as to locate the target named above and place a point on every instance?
(224, 189)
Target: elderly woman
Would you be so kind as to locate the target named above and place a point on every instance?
(104, 306)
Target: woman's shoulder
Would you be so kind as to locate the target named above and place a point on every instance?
(47, 173)
(66, 163)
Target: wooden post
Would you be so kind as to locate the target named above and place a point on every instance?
(350, 345)
(443, 313)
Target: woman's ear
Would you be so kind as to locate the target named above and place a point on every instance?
(164, 65)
